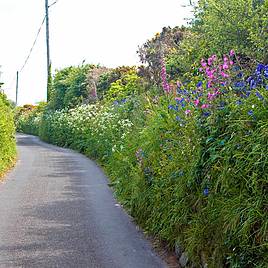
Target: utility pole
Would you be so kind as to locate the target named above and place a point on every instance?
(17, 88)
(48, 50)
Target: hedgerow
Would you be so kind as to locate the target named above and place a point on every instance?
(188, 160)
(7, 135)
(191, 167)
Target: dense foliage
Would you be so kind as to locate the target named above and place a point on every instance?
(183, 138)
(7, 135)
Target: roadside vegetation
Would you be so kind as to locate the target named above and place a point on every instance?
(7, 135)
(184, 136)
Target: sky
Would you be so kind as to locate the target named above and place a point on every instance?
(106, 32)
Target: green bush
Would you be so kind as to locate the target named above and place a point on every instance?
(28, 117)
(191, 168)
(7, 135)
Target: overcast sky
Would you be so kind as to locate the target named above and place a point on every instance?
(107, 32)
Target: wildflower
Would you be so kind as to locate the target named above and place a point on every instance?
(240, 75)
(187, 112)
(239, 102)
(178, 118)
(165, 83)
(203, 63)
(206, 191)
(258, 94)
(196, 102)
(232, 53)
(252, 83)
(199, 84)
(250, 113)
(225, 59)
(209, 84)
(224, 75)
(206, 114)
(210, 61)
(239, 84)
(179, 85)
(225, 66)
(266, 71)
(211, 96)
(204, 106)
(214, 57)
(260, 68)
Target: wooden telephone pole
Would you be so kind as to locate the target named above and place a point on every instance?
(48, 50)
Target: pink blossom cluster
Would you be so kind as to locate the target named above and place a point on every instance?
(217, 73)
(165, 83)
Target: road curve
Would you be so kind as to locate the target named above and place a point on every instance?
(56, 210)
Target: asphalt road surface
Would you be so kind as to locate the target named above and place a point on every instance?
(56, 210)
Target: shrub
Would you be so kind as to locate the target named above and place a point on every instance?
(7, 135)
(191, 164)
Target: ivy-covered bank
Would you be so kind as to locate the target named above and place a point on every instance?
(7, 135)
(183, 137)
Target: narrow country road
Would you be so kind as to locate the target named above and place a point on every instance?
(56, 210)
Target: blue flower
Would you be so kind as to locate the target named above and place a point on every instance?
(178, 118)
(199, 84)
(266, 87)
(250, 113)
(240, 75)
(266, 71)
(239, 102)
(171, 107)
(239, 84)
(258, 94)
(259, 68)
(206, 114)
(206, 191)
(116, 102)
(252, 83)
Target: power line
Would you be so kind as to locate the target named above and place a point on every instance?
(53, 3)
(34, 43)
(36, 38)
